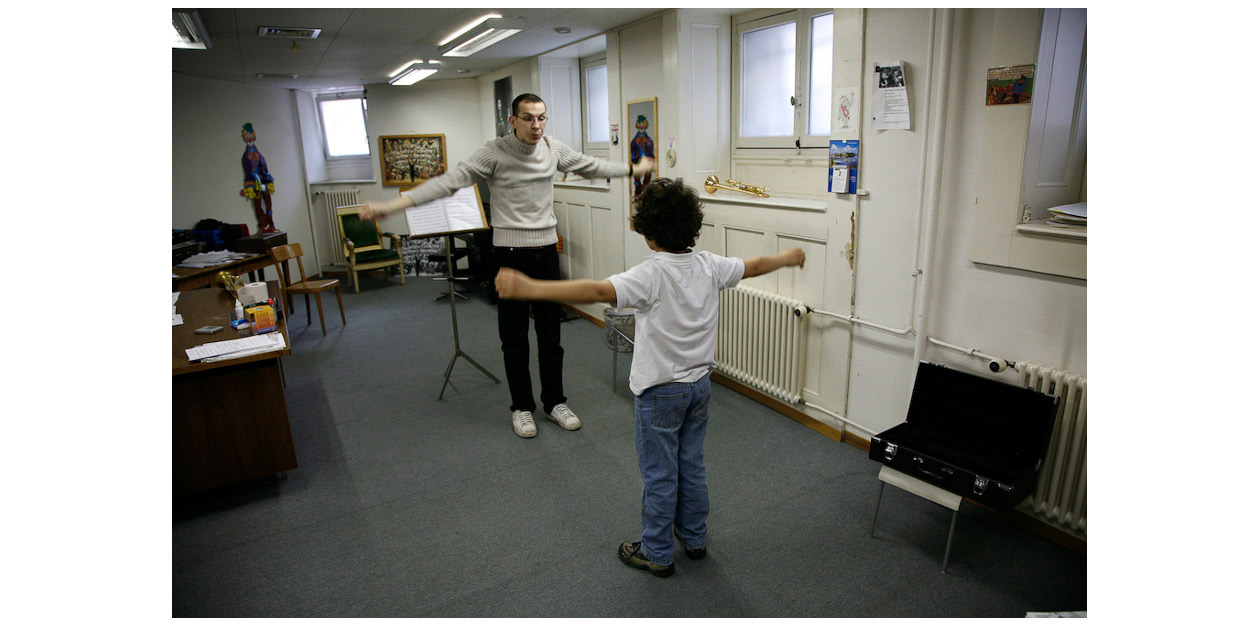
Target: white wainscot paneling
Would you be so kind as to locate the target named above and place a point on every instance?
(605, 237)
(578, 243)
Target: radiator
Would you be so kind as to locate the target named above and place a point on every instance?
(333, 199)
(1060, 493)
(760, 340)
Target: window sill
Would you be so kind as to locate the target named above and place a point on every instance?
(1041, 228)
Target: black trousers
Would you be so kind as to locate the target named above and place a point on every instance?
(538, 263)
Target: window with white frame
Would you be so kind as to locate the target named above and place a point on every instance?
(783, 75)
(1054, 161)
(595, 135)
(343, 118)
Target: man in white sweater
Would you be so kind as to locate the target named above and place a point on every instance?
(520, 169)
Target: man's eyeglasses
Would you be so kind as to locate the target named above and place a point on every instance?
(529, 119)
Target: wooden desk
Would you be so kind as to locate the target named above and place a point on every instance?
(193, 278)
(230, 422)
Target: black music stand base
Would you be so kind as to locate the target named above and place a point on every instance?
(450, 281)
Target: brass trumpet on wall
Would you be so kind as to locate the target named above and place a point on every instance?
(711, 185)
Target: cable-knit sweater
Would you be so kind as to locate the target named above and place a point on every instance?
(520, 179)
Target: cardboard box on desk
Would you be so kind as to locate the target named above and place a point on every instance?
(262, 318)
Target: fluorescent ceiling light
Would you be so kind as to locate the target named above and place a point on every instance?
(414, 73)
(187, 30)
(471, 25)
(481, 42)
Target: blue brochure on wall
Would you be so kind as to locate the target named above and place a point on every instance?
(843, 166)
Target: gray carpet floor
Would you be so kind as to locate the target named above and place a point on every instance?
(406, 506)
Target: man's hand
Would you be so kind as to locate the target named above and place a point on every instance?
(509, 283)
(372, 211)
(643, 166)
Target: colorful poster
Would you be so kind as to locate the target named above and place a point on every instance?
(1009, 85)
(842, 166)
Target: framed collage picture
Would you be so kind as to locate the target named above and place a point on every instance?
(411, 159)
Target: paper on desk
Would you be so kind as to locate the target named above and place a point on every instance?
(212, 258)
(239, 347)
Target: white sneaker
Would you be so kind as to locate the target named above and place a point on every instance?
(523, 424)
(565, 417)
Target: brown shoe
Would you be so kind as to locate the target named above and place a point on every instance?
(695, 554)
(631, 554)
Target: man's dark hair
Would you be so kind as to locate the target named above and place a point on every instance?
(525, 98)
(668, 213)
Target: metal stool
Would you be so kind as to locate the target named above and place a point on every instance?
(923, 489)
(619, 327)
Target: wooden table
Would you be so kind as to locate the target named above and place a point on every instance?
(185, 279)
(230, 422)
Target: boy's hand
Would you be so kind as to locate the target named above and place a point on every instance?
(509, 283)
(794, 257)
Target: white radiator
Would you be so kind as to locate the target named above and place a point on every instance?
(1060, 493)
(761, 340)
(333, 199)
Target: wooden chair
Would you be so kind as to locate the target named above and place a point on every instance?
(361, 243)
(306, 287)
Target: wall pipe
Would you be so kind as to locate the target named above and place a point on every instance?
(928, 229)
(860, 321)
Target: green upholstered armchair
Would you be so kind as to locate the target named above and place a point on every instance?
(361, 243)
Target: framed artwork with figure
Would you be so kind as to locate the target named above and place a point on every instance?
(411, 159)
(641, 115)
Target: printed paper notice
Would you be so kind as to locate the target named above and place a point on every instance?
(457, 214)
(892, 105)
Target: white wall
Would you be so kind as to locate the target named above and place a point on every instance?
(206, 173)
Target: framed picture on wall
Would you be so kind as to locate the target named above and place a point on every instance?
(502, 106)
(411, 159)
(641, 115)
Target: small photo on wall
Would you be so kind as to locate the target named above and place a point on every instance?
(1009, 85)
(411, 159)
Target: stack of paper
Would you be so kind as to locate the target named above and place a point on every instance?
(212, 258)
(239, 347)
(1068, 216)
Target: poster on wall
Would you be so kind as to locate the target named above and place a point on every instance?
(411, 159)
(502, 106)
(842, 166)
(892, 105)
(1012, 84)
(642, 115)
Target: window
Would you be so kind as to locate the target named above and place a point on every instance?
(1054, 161)
(344, 120)
(595, 104)
(783, 76)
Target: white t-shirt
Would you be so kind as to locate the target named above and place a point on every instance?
(675, 296)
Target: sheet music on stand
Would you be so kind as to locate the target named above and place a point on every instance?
(459, 213)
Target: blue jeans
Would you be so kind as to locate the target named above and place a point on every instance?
(670, 421)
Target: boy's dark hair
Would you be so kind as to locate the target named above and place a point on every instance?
(668, 213)
(525, 98)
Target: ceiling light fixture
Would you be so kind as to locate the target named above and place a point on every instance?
(413, 73)
(189, 32)
(470, 26)
(481, 41)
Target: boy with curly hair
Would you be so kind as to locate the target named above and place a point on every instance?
(674, 292)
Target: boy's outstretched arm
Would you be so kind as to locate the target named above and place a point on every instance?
(514, 285)
(758, 266)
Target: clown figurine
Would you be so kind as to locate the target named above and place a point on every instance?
(259, 186)
(641, 146)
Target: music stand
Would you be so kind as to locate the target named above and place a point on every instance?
(460, 213)
(459, 352)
